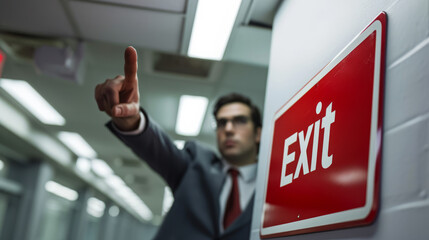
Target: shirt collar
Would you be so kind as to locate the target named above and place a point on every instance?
(247, 172)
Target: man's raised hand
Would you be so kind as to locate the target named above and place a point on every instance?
(119, 97)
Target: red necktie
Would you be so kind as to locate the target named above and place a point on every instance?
(232, 210)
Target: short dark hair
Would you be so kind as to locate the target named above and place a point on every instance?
(234, 98)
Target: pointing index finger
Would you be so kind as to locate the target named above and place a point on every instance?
(130, 66)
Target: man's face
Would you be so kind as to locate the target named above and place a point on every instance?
(237, 138)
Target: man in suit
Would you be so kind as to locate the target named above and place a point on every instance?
(213, 195)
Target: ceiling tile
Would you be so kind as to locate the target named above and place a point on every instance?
(42, 17)
(167, 5)
(249, 45)
(143, 28)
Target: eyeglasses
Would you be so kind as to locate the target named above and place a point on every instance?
(237, 122)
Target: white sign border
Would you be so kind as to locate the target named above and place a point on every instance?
(348, 215)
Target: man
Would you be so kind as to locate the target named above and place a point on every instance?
(213, 196)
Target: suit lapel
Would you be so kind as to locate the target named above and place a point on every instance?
(215, 180)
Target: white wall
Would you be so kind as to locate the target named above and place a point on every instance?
(307, 34)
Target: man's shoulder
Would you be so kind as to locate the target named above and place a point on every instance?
(199, 147)
(201, 151)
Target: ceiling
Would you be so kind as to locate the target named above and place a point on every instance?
(160, 31)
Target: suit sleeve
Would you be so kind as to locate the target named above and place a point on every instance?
(155, 147)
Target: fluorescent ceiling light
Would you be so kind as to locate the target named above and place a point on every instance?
(114, 211)
(136, 203)
(141, 208)
(95, 207)
(32, 101)
(1, 165)
(168, 200)
(115, 182)
(128, 195)
(101, 168)
(212, 27)
(191, 115)
(61, 191)
(77, 144)
(124, 191)
(179, 143)
(83, 165)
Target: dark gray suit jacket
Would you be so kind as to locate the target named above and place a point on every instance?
(196, 179)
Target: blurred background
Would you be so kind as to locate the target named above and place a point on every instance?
(68, 177)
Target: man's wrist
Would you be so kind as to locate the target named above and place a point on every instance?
(138, 130)
(129, 124)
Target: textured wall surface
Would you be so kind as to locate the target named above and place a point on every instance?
(307, 34)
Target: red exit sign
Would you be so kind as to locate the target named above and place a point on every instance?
(324, 164)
